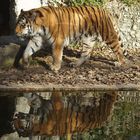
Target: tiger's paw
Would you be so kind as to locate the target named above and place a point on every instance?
(19, 67)
(120, 63)
(117, 64)
(25, 63)
(73, 65)
(120, 66)
(54, 68)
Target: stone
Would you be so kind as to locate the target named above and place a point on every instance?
(22, 105)
(138, 21)
(8, 55)
(132, 33)
(138, 44)
(135, 27)
(138, 35)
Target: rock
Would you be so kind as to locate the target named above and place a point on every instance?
(135, 27)
(138, 44)
(15, 136)
(7, 55)
(128, 22)
(138, 35)
(132, 33)
(22, 105)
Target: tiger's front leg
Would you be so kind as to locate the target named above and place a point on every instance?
(33, 46)
(57, 56)
(18, 56)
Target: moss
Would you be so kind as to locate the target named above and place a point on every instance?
(7, 62)
(99, 2)
(87, 2)
(131, 2)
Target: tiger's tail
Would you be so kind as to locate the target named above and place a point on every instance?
(112, 37)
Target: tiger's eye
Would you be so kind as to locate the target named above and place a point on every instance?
(23, 25)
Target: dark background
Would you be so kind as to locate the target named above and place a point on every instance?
(4, 17)
(7, 108)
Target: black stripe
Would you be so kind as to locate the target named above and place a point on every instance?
(83, 129)
(49, 37)
(74, 30)
(77, 115)
(88, 115)
(48, 8)
(91, 18)
(86, 24)
(36, 45)
(101, 20)
(33, 51)
(69, 23)
(45, 8)
(67, 112)
(85, 44)
(91, 119)
(109, 42)
(106, 25)
(97, 22)
(55, 117)
(71, 117)
(110, 22)
(119, 38)
(63, 17)
(113, 46)
(53, 10)
(79, 10)
(116, 48)
(60, 15)
(44, 30)
(53, 42)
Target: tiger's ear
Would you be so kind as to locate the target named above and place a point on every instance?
(21, 11)
(36, 14)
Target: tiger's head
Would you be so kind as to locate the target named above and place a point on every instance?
(28, 23)
(22, 124)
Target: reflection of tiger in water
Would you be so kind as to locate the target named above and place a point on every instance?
(64, 117)
(58, 26)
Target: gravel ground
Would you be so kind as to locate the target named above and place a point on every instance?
(92, 72)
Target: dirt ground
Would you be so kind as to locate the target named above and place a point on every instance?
(98, 70)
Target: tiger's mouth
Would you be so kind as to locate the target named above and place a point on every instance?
(23, 37)
(22, 124)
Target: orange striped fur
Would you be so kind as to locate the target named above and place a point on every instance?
(59, 26)
(63, 120)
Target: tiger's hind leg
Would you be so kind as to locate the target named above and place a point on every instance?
(115, 45)
(120, 58)
(88, 43)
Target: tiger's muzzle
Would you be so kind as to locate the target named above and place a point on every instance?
(22, 123)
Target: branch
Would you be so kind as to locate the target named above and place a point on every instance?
(5, 40)
(67, 88)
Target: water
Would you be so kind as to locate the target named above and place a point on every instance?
(74, 116)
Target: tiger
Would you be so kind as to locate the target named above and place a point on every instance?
(64, 116)
(59, 26)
